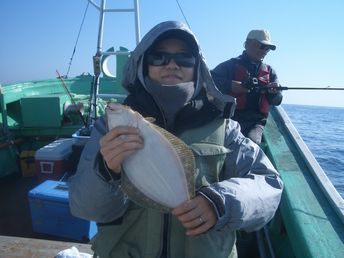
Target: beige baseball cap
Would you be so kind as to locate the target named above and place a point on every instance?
(263, 36)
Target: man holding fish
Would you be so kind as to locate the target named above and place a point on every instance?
(174, 178)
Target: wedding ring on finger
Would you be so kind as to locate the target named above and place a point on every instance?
(200, 219)
(123, 137)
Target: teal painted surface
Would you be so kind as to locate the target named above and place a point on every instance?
(313, 227)
(15, 94)
(41, 111)
(33, 111)
(78, 85)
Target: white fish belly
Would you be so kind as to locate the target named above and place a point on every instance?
(156, 170)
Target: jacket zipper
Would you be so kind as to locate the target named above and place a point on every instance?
(165, 237)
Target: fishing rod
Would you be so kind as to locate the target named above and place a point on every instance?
(72, 99)
(305, 88)
(252, 83)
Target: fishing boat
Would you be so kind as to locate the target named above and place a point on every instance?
(36, 115)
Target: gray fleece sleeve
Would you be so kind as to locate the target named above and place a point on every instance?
(251, 189)
(91, 195)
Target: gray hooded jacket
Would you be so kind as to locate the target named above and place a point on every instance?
(246, 199)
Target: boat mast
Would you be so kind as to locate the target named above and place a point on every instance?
(98, 56)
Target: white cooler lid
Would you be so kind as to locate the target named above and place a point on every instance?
(56, 150)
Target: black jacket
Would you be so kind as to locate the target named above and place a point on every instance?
(224, 73)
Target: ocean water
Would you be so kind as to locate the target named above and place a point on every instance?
(322, 129)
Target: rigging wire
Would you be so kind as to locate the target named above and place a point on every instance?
(77, 39)
(181, 10)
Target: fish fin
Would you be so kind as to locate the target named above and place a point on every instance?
(150, 119)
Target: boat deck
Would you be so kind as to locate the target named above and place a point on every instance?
(19, 247)
(15, 218)
(17, 239)
(15, 223)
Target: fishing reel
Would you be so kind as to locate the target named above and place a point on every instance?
(251, 83)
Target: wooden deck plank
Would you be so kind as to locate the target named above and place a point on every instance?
(19, 247)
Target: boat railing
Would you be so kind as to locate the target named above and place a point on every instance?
(318, 173)
(108, 96)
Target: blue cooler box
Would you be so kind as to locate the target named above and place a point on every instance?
(50, 213)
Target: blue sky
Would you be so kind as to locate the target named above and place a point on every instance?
(38, 37)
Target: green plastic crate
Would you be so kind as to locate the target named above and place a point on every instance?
(42, 111)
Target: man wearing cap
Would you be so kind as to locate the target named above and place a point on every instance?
(252, 82)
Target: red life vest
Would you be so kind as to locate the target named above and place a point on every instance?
(241, 74)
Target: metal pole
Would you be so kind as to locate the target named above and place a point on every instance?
(101, 25)
(97, 65)
(94, 92)
(137, 21)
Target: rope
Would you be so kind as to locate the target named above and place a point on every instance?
(181, 10)
(77, 39)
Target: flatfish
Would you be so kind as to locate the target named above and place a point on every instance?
(161, 174)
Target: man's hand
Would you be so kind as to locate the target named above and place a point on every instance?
(118, 144)
(239, 88)
(273, 87)
(197, 215)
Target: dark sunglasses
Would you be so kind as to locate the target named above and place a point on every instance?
(264, 47)
(164, 58)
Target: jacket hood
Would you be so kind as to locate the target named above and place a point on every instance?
(133, 71)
